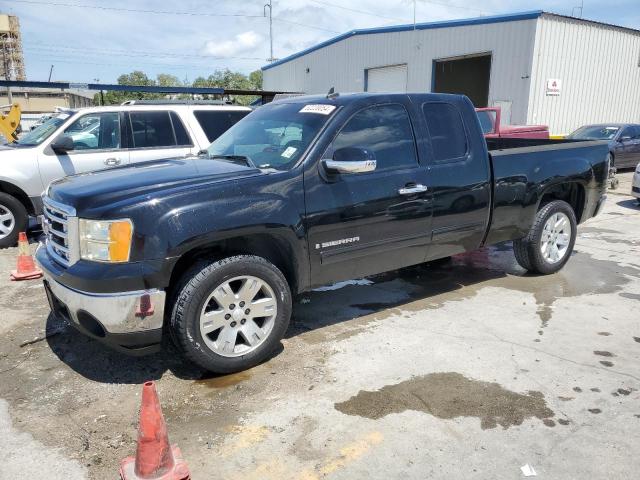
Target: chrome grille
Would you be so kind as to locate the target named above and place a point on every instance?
(60, 225)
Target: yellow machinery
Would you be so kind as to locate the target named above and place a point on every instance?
(10, 122)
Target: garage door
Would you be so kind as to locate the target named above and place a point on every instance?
(387, 79)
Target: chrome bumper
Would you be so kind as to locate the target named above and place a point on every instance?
(114, 313)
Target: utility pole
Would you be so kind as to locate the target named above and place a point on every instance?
(264, 13)
(50, 72)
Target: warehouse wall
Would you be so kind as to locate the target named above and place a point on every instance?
(598, 66)
(342, 64)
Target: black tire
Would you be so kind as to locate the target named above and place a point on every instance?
(527, 249)
(195, 287)
(9, 204)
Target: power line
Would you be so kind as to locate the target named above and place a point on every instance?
(128, 53)
(333, 5)
(277, 19)
(135, 10)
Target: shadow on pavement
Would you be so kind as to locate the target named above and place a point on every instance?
(629, 203)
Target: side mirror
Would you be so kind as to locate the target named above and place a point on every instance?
(62, 144)
(351, 160)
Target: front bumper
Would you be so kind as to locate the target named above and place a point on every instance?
(130, 322)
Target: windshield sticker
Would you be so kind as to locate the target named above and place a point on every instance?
(321, 109)
(288, 153)
(63, 116)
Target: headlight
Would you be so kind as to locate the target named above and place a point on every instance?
(105, 241)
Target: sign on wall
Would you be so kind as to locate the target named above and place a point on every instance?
(553, 86)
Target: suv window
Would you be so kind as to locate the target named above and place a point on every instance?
(95, 131)
(216, 122)
(385, 130)
(448, 137)
(153, 129)
(182, 138)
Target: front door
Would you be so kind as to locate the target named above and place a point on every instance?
(97, 145)
(360, 224)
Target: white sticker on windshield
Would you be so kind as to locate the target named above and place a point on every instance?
(321, 109)
(288, 153)
(63, 116)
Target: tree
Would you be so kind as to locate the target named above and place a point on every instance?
(255, 78)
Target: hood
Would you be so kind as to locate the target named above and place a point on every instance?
(123, 183)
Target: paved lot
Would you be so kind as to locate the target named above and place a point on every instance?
(464, 370)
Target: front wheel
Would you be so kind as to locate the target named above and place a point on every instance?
(13, 220)
(549, 243)
(230, 314)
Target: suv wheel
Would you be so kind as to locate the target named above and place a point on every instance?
(549, 243)
(229, 315)
(13, 219)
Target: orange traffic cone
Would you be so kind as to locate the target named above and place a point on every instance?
(26, 269)
(155, 458)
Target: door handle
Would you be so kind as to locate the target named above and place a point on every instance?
(112, 162)
(412, 188)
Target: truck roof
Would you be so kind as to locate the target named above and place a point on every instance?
(347, 98)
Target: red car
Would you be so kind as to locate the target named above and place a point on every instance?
(490, 121)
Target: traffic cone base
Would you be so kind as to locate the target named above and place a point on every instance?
(180, 470)
(26, 268)
(155, 458)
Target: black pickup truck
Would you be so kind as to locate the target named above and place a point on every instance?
(302, 192)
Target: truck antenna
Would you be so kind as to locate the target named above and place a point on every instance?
(332, 93)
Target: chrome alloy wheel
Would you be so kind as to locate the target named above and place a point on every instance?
(238, 316)
(555, 239)
(7, 222)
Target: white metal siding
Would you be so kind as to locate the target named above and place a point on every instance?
(387, 79)
(598, 68)
(342, 65)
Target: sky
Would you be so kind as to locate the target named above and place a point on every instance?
(96, 40)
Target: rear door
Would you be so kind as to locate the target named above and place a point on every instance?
(634, 146)
(459, 178)
(157, 134)
(360, 224)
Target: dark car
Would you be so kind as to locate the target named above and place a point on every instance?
(302, 192)
(623, 138)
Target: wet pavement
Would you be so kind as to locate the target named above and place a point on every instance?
(462, 369)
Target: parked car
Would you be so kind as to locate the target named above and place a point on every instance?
(490, 122)
(623, 138)
(635, 186)
(97, 138)
(302, 192)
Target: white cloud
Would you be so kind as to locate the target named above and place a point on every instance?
(243, 42)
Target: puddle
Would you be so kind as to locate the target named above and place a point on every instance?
(430, 286)
(447, 396)
(224, 381)
(632, 296)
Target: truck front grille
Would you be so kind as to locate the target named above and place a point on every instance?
(60, 225)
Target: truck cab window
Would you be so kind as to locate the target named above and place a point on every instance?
(386, 130)
(95, 131)
(448, 137)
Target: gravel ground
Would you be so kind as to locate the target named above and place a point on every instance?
(469, 369)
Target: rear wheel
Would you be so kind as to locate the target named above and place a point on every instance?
(13, 219)
(549, 243)
(231, 314)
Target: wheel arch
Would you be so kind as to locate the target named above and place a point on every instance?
(573, 192)
(19, 194)
(272, 247)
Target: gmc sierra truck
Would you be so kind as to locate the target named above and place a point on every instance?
(300, 193)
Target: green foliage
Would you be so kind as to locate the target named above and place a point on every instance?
(219, 78)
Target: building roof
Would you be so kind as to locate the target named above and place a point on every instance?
(509, 17)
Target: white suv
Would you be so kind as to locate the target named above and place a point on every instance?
(97, 138)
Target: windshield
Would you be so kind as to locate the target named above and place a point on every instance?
(273, 136)
(595, 132)
(42, 132)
